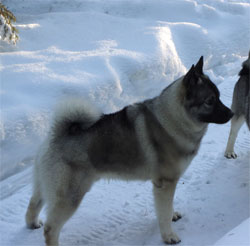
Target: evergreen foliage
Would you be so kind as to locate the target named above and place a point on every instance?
(8, 32)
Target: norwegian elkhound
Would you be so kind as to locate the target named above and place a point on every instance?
(154, 140)
(240, 107)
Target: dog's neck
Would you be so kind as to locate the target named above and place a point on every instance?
(172, 115)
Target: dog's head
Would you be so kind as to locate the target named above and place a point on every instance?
(202, 97)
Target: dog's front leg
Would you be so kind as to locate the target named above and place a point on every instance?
(164, 190)
(236, 123)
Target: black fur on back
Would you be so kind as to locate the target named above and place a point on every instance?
(244, 71)
(115, 136)
(114, 119)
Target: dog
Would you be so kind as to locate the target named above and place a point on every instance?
(240, 107)
(154, 140)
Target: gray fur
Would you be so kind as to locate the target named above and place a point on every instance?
(72, 116)
(241, 96)
(154, 140)
(240, 107)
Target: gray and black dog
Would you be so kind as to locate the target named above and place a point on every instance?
(154, 140)
(240, 107)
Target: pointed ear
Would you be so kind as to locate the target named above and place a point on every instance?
(199, 66)
(189, 75)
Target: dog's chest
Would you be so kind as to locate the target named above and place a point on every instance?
(184, 163)
(174, 167)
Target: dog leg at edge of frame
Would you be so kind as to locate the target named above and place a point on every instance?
(236, 123)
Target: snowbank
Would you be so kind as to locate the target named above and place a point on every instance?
(238, 236)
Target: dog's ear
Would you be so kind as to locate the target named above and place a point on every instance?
(189, 76)
(199, 66)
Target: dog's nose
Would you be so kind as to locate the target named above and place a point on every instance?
(224, 114)
(231, 114)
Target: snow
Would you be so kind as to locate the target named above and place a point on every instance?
(237, 236)
(115, 53)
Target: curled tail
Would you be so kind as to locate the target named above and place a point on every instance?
(73, 116)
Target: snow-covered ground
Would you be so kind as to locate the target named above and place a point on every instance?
(114, 53)
(238, 236)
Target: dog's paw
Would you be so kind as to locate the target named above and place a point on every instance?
(171, 238)
(35, 225)
(176, 216)
(230, 155)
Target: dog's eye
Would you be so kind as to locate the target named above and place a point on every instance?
(209, 101)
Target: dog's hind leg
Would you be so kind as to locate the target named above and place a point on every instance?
(236, 123)
(34, 208)
(164, 190)
(63, 205)
(58, 214)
